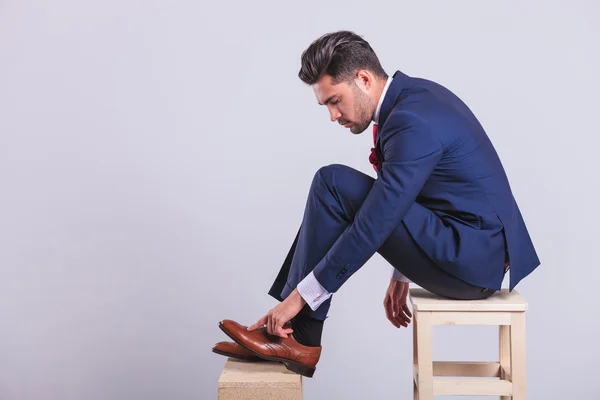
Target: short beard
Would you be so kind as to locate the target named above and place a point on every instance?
(363, 109)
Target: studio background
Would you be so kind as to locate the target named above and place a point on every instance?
(155, 159)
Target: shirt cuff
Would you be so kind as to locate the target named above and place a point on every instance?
(312, 291)
(397, 276)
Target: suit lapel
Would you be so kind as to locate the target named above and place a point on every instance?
(390, 99)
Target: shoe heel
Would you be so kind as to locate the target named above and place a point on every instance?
(300, 369)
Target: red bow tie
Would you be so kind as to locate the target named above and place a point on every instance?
(375, 157)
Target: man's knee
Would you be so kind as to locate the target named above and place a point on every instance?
(329, 172)
(345, 181)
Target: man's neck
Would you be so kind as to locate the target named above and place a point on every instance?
(379, 89)
(379, 86)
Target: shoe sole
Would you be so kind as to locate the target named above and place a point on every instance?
(289, 364)
(226, 354)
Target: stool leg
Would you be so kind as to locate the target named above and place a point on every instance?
(517, 355)
(415, 391)
(425, 366)
(415, 356)
(504, 334)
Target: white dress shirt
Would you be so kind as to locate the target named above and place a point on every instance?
(309, 288)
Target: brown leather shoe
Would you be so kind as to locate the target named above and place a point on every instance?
(295, 356)
(232, 349)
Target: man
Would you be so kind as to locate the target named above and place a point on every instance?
(441, 210)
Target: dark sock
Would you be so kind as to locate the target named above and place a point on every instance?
(307, 330)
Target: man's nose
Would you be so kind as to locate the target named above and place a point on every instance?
(334, 114)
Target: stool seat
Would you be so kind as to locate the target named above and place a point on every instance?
(502, 300)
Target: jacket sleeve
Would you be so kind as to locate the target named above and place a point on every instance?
(411, 152)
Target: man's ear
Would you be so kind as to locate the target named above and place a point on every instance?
(364, 80)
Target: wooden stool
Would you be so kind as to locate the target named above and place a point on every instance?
(262, 380)
(507, 310)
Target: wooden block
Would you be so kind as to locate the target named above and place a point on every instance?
(503, 300)
(245, 380)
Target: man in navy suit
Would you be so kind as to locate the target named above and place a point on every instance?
(441, 210)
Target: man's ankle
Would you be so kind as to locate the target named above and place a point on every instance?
(307, 330)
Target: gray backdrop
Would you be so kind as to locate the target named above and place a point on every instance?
(155, 159)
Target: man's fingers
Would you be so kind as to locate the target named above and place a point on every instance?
(403, 315)
(393, 320)
(388, 310)
(271, 326)
(280, 330)
(275, 327)
(400, 315)
(390, 313)
(283, 332)
(400, 320)
(403, 319)
(259, 323)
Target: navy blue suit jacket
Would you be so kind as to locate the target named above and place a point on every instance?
(442, 177)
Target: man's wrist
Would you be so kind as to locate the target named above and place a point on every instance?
(298, 297)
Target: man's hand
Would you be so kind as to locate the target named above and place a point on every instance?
(396, 309)
(282, 313)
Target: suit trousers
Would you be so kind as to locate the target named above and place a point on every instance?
(336, 194)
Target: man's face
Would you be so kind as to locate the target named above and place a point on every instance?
(349, 103)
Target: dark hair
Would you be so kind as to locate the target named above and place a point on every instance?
(338, 54)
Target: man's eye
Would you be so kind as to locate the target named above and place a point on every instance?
(335, 102)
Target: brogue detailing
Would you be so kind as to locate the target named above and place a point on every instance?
(282, 350)
(277, 347)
